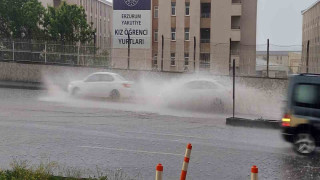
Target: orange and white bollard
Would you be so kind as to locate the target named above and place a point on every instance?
(159, 170)
(254, 173)
(186, 162)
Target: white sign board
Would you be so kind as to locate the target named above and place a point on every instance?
(132, 24)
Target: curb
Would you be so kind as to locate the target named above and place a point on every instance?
(21, 85)
(256, 123)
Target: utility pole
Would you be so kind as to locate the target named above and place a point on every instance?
(234, 87)
(194, 53)
(230, 55)
(162, 52)
(268, 49)
(129, 42)
(94, 46)
(307, 63)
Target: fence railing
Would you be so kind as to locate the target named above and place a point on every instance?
(210, 57)
(53, 53)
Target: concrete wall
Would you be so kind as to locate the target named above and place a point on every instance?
(248, 36)
(310, 32)
(62, 75)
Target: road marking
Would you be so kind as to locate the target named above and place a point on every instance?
(129, 150)
(164, 134)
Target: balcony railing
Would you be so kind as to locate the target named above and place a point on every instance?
(205, 15)
(235, 27)
(204, 40)
(236, 1)
(235, 52)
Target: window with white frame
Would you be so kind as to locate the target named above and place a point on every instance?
(156, 35)
(173, 34)
(187, 34)
(187, 8)
(173, 59)
(156, 11)
(186, 59)
(155, 60)
(173, 8)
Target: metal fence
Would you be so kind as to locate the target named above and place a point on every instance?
(53, 53)
(266, 60)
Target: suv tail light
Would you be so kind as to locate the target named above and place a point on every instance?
(126, 85)
(286, 120)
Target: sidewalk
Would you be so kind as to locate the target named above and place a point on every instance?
(22, 85)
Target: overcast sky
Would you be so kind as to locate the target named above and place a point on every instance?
(280, 21)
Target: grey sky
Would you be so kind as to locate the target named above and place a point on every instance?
(280, 21)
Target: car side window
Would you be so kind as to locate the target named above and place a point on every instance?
(92, 78)
(106, 78)
(307, 95)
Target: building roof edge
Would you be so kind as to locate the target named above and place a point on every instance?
(106, 2)
(315, 3)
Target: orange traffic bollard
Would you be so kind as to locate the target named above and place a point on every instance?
(159, 170)
(254, 173)
(186, 162)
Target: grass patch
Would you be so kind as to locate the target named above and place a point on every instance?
(21, 170)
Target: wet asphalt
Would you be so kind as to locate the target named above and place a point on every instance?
(98, 134)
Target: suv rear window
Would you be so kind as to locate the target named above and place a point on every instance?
(307, 95)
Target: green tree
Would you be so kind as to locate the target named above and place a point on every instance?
(67, 23)
(21, 19)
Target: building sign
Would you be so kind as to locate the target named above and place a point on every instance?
(132, 24)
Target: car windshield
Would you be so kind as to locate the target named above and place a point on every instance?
(120, 77)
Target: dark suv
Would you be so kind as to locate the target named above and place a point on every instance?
(301, 121)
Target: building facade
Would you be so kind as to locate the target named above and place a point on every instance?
(281, 63)
(99, 13)
(197, 34)
(311, 36)
(194, 35)
(278, 57)
(295, 62)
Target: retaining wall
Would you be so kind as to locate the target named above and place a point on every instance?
(10, 71)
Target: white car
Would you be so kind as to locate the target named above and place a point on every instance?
(199, 95)
(102, 84)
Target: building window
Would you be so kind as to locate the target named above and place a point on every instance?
(56, 3)
(101, 31)
(173, 59)
(187, 8)
(173, 34)
(156, 35)
(155, 60)
(186, 59)
(205, 35)
(205, 10)
(156, 11)
(173, 8)
(187, 34)
(205, 61)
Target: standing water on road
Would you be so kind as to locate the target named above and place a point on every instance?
(183, 96)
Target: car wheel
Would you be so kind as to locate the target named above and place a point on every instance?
(115, 95)
(75, 91)
(304, 143)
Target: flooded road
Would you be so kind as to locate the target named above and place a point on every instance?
(91, 133)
